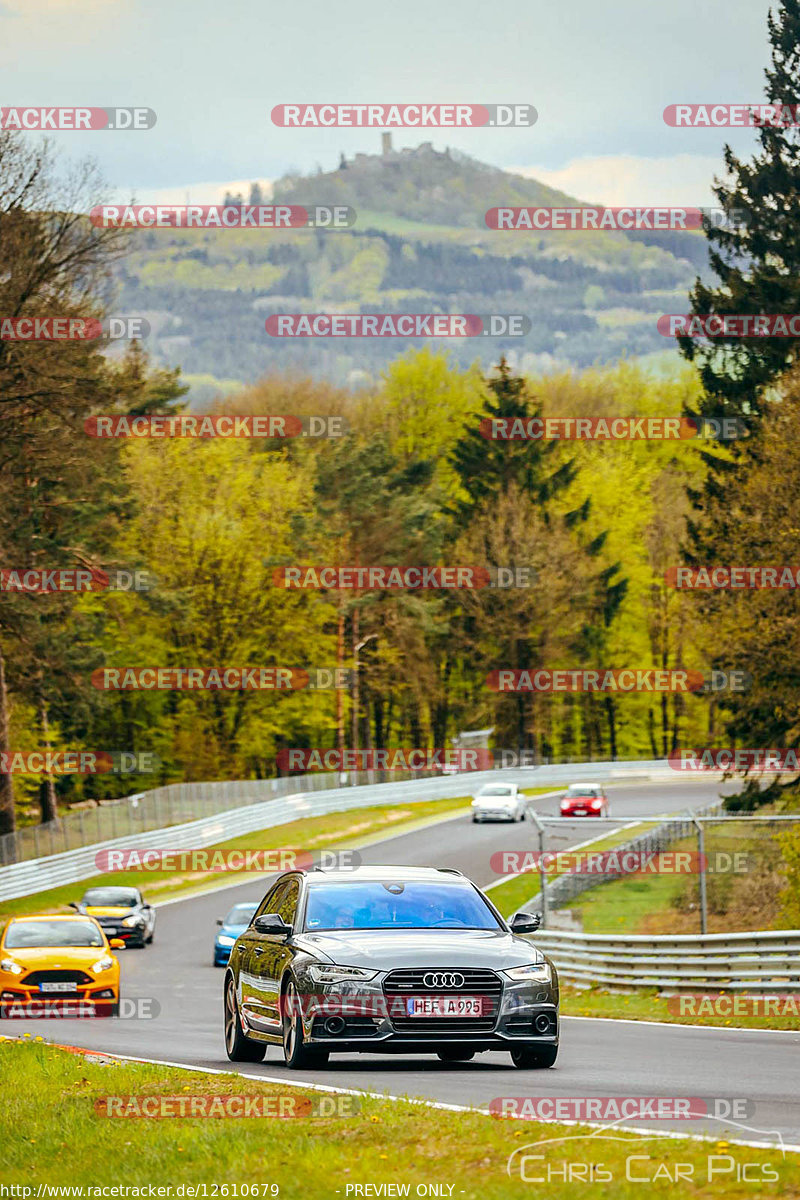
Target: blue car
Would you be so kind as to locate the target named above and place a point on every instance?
(235, 923)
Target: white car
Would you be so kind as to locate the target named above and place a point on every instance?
(499, 802)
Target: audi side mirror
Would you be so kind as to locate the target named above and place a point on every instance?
(526, 922)
(272, 923)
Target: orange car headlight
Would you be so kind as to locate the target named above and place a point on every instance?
(12, 967)
(103, 964)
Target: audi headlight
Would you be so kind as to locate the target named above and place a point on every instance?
(103, 964)
(12, 967)
(538, 972)
(129, 922)
(335, 974)
(224, 940)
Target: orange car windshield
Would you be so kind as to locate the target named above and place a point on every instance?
(40, 934)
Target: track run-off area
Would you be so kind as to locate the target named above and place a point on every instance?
(598, 1057)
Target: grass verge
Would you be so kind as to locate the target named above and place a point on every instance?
(512, 893)
(648, 1005)
(350, 828)
(743, 884)
(55, 1136)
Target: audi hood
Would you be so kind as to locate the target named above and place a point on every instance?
(388, 950)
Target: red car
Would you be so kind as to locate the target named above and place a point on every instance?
(584, 800)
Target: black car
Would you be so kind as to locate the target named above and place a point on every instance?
(122, 912)
(381, 959)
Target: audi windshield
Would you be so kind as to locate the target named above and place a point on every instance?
(373, 904)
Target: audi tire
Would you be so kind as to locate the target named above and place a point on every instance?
(297, 1054)
(238, 1047)
(530, 1055)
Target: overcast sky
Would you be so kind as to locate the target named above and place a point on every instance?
(599, 74)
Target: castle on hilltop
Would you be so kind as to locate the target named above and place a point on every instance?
(389, 157)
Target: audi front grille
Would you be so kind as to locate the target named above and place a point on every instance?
(443, 981)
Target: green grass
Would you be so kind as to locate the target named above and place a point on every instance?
(53, 1135)
(391, 223)
(622, 905)
(647, 1005)
(348, 829)
(653, 903)
(509, 895)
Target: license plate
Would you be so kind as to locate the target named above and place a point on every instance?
(444, 1006)
(580, 812)
(57, 987)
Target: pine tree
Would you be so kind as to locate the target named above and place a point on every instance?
(486, 467)
(757, 256)
(505, 480)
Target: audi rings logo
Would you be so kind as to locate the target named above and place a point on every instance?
(443, 979)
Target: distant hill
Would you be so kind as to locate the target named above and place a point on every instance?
(421, 184)
(420, 244)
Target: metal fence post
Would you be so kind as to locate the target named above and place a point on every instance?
(701, 865)
(542, 870)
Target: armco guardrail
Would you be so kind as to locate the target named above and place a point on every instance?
(653, 841)
(158, 808)
(177, 803)
(260, 808)
(763, 962)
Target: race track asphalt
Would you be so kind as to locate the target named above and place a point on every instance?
(597, 1057)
